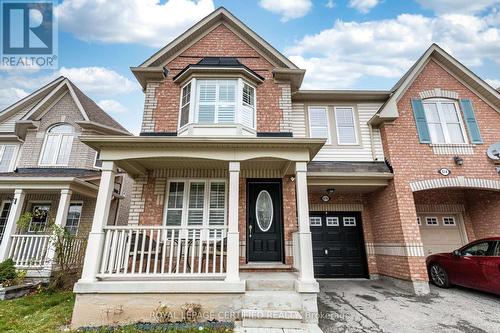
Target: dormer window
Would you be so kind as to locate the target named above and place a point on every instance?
(218, 102)
(57, 147)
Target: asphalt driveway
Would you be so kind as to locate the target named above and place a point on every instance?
(376, 306)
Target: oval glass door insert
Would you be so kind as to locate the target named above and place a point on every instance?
(264, 210)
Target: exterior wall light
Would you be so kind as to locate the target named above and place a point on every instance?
(458, 160)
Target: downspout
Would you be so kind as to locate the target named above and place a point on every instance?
(372, 147)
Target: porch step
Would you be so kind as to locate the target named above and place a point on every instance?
(276, 281)
(272, 300)
(266, 267)
(271, 319)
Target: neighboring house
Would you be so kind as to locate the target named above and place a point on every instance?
(247, 188)
(46, 170)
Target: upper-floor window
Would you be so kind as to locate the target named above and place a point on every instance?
(210, 101)
(444, 121)
(319, 123)
(345, 125)
(8, 154)
(57, 147)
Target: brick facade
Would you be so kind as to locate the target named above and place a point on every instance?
(162, 99)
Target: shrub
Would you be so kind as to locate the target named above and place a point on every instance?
(7, 271)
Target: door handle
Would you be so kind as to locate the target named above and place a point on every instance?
(326, 251)
(250, 229)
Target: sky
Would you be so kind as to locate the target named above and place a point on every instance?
(350, 44)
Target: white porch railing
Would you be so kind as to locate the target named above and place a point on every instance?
(149, 251)
(29, 251)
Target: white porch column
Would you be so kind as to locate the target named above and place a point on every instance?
(93, 252)
(305, 240)
(10, 228)
(61, 217)
(233, 235)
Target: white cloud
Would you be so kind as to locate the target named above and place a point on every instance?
(147, 22)
(95, 81)
(338, 57)
(494, 83)
(330, 4)
(112, 106)
(458, 6)
(363, 6)
(99, 80)
(288, 9)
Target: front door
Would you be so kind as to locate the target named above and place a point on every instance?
(264, 220)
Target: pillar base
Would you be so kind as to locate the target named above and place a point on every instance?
(417, 288)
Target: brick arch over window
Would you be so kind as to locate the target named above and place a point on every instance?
(438, 93)
(462, 182)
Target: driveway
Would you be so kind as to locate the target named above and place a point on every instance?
(376, 306)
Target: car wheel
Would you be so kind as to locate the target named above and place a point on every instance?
(439, 276)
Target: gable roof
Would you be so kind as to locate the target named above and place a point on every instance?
(389, 111)
(197, 31)
(44, 97)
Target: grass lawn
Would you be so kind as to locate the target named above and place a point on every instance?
(51, 312)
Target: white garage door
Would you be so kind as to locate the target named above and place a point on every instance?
(441, 232)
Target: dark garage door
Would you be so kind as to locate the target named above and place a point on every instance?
(338, 246)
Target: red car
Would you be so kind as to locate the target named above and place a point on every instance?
(475, 265)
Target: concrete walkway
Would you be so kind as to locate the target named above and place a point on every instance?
(376, 306)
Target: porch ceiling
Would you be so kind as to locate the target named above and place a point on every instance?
(136, 155)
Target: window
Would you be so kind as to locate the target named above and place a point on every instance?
(185, 104)
(478, 249)
(431, 221)
(349, 221)
(7, 157)
(39, 219)
(73, 219)
(210, 102)
(318, 123)
(496, 251)
(4, 215)
(315, 221)
(332, 221)
(444, 121)
(346, 126)
(57, 146)
(196, 203)
(418, 221)
(449, 220)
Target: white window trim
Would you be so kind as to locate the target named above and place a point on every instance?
(80, 202)
(15, 155)
(332, 221)
(59, 143)
(1, 210)
(355, 125)
(431, 217)
(329, 138)
(193, 105)
(454, 224)
(185, 201)
(446, 134)
(349, 225)
(315, 224)
(36, 203)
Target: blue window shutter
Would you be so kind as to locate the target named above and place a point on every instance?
(470, 120)
(420, 120)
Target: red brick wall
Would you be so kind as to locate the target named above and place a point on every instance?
(221, 42)
(392, 209)
(483, 208)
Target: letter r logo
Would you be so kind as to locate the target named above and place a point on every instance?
(27, 27)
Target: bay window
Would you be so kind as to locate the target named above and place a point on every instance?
(444, 121)
(217, 101)
(197, 202)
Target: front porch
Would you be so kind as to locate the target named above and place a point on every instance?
(189, 234)
(65, 202)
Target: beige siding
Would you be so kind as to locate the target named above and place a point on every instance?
(9, 124)
(363, 152)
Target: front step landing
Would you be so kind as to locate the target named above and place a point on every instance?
(271, 319)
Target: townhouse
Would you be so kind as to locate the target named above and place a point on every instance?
(247, 188)
(47, 171)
